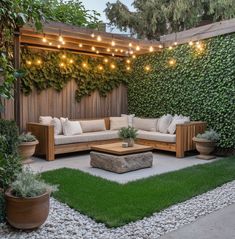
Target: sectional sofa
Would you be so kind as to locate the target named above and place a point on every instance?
(59, 136)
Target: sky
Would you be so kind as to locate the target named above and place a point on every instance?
(100, 5)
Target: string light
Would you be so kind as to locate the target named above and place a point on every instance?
(160, 46)
(116, 50)
(128, 61)
(112, 66)
(172, 62)
(59, 46)
(100, 67)
(108, 49)
(121, 50)
(134, 56)
(61, 39)
(113, 43)
(44, 38)
(92, 35)
(93, 48)
(131, 52)
(80, 45)
(63, 43)
(106, 60)
(29, 63)
(113, 54)
(84, 64)
(71, 61)
(128, 68)
(39, 62)
(170, 47)
(130, 44)
(97, 52)
(64, 56)
(137, 48)
(147, 68)
(62, 64)
(175, 43)
(50, 43)
(191, 43)
(151, 49)
(99, 38)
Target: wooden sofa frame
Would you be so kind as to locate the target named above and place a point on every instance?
(47, 147)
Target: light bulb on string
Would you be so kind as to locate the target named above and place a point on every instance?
(147, 68)
(99, 38)
(80, 45)
(112, 66)
(44, 38)
(191, 43)
(137, 48)
(113, 43)
(106, 60)
(151, 49)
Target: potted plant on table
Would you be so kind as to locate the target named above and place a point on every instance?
(27, 145)
(128, 134)
(27, 201)
(205, 143)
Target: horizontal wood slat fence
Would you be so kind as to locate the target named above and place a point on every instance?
(63, 104)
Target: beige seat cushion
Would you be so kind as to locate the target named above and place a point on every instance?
(86, 137)
(145, 124)
(92, 125)
(117, 123)
(157, 136)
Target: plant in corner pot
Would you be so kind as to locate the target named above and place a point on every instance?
(205, 143)
(128, 134)
(27, 201)
(27, 145)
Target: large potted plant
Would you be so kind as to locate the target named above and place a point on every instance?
(27, 201)
(128, 134)
(27, 145)
(205, 143)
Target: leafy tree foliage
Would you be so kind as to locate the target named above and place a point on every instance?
(153, 18)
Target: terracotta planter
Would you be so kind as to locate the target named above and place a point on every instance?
(27, 213)
(130, 142)
(205, 148)
(27, 149)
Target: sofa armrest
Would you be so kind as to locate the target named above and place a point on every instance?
(45, 136)
(184, 136)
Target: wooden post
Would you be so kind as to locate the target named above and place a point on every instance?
(17, 108)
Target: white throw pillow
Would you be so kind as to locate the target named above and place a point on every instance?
(58, 129)
(145, 124)
(130, 118)
(92, 125)
(117, 123)
(45, 119)
(71, 128)
(172, 127)
(164, 122)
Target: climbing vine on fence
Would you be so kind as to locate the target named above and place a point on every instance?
(185, 80)
(46, 69)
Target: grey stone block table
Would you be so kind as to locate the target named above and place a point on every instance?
(114, 158)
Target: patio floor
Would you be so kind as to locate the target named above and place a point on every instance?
(162, 163)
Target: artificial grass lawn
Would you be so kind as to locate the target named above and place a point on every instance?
(115, 204)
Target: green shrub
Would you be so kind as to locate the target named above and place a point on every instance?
(209, 135)
(26, 137)
(127, 133)
(29, 184)
(200, 84)
(10, 131)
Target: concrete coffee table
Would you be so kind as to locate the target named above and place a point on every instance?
(113, 157)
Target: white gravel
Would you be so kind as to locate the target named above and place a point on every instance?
(64, 222)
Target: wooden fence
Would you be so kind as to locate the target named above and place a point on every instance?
(63, 104)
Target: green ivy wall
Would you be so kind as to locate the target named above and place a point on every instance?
(201, 84)
(49, 73)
